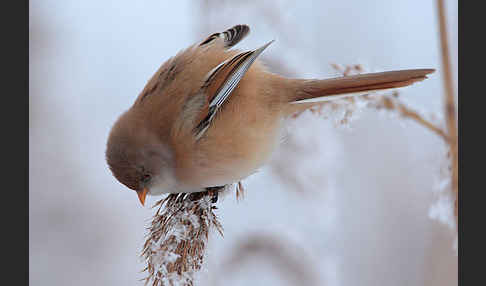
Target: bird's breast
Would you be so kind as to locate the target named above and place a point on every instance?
(231, 151)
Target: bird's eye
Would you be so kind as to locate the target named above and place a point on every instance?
(146, 178)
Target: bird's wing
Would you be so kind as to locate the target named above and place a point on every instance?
(231, 37)
(219, 84)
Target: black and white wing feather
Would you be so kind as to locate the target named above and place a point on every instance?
(230, 37)
(220, 83)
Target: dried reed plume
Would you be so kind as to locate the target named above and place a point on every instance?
(178, 235)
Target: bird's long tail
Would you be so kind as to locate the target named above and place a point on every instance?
(306, 93)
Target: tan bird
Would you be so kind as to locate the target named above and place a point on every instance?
(212, 115)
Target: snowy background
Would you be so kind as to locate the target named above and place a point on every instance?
(351, 204)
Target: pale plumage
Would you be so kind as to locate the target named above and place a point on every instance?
(212, 115)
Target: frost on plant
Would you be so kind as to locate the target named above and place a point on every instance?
(443, 209)
(344, 110)
(178, 235)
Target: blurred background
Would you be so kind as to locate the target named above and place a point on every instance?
(341, 205)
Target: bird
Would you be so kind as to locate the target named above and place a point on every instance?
(212, 115)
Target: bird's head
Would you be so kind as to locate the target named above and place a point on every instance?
(139, 159)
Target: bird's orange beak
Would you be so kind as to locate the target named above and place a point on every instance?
(141, 195)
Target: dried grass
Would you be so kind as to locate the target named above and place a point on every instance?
(178, 236)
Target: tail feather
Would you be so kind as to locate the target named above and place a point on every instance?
(308, 91)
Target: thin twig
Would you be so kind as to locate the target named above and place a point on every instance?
(450, 108)
(407, 112)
